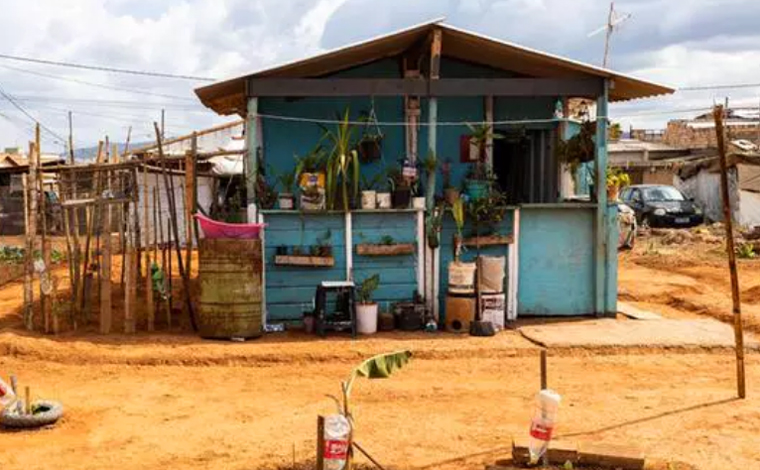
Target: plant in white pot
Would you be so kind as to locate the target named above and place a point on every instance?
(369, 190)
(366, 308)
(286, 181)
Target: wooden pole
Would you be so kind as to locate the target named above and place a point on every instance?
(730, 250)
(320, 442)
(29, 211)
(173, 219)
(544, 380)
(190, 201)
(105, 263)
(45, 302)
(137, 236)
(146, 230)
(129, 259)
(91, 212)
(77, 255)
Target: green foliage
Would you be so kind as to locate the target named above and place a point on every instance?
(488, 212)
(367, 288)
(396, 179)
(580, 148)
(615, 131)
(372, 184)
(746, 251)
(387, 240)
(480, 133)
(324, 240)
(313, 162)
(342, 162)
(430, 163)
(383, 365)
(11, 255)
(568, 466)
(457, 211)
(286, 180)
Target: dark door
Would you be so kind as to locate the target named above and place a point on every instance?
(525, 166)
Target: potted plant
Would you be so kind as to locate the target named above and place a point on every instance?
(366, 308)
(266, 196)
(369, 191)
(310, 172)
(580, 148)
(457, 211)
(401, 189)
(616, 179)
(450, 193)
(286, 180)
(370, 147)
(325, 249)
(478, 181)
(342, 164)
(488, 213)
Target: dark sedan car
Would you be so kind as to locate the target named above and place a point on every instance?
(661, 206)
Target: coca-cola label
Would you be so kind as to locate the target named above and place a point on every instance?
(336, 449)
(541, 431)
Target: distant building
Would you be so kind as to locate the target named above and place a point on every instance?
(699, 133)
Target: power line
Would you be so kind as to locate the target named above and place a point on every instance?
(720, 87)
(104, 68)
(26, 113)
(98, 85)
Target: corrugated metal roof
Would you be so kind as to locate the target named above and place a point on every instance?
(228, 97)
(635, 145)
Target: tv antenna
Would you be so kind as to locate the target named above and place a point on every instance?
(613, 21)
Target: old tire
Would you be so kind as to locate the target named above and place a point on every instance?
(52, 413)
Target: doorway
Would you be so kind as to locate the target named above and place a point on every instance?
(525, 166)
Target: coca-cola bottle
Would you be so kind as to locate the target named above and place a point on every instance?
(337, 431)
(542, 425)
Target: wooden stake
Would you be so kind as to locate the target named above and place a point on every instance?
(173, 219)
(91, 213)
(148, 279)
(105, 268)
(77, 255)
(28, 393)
(190, 202)
(730, 250)
(320, 442)
(45, 302)
(544, 380)
(130, 292)
(29, 209)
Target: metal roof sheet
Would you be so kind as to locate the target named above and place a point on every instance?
(228, 96)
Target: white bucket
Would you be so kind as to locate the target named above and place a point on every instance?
(418, 202)
(369, 199)
(492, 274)
(383, 200)
(366, 318)
(461, 278)
(286, 201)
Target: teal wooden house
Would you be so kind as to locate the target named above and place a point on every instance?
(423, 85)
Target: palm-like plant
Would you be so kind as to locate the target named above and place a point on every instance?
(342, 162)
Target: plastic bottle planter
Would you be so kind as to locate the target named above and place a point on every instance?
(369, 199)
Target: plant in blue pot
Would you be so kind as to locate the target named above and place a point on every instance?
(478, 182)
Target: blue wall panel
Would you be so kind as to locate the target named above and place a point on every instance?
(556, 263)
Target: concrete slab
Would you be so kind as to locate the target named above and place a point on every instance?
(623, 333)
(635, 313)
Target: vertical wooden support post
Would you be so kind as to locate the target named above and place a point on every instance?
(544, 380)
(600, 238)
(105, 270)
(45, 301)
(190, 199)
(513, 258)
(91, 213)
(30, 211)
(435, 71)
(77, 257)
(320, 442)
(728, 221)
(130, 290)
(252, 157)
(349, 235)
(151, 313)
(488, 106)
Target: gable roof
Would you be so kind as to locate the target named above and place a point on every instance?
(228, 96)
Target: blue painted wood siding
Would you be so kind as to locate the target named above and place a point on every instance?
(290, 290)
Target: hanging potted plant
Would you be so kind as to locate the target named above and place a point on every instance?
(573, 152)
(370, 145)
(450, 193)
(478, 181)
(366, 308)
(342, 165)
(310, 172)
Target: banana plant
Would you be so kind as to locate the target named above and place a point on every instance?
(457, 211)
(376, 367)
(342, 162)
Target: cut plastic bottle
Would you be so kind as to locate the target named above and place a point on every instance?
(542, 425)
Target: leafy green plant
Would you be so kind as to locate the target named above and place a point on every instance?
(457, 211)
(372, 184)
(480, 133)
(580, 148)
(315, 161)
(387, 240)
(617, 178)
(11, 254)
(488, 212)
(342, 162)
(396, 179)
(367, 288)
(286, 180)
(746, 251)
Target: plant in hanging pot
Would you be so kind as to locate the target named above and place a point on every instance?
(366, 308)
(370, 147)
(310, 172)
(580, 148)
(479, 179)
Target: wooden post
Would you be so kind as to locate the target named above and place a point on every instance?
(130, 291)
(30, 210)
(173, 219)
(146, 230)
(544, 380)
(91, 211)
(45, 302)
(190, 199)
(320, 442)
(77, 255)
(435, 69)
(252, 157)
(730, 250)
(105, 268)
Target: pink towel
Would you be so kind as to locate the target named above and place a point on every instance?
(215, 229)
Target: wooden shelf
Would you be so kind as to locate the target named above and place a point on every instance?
(489, 240)
(304, 261)
(369, 249)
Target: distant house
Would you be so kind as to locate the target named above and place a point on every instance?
(700, 179)
(699, 132)
(647, 162)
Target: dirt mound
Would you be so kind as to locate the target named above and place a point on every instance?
(751, 295)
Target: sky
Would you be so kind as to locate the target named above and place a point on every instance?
(682, 44)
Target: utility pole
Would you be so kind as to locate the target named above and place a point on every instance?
(613, 20)
(729, 224)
